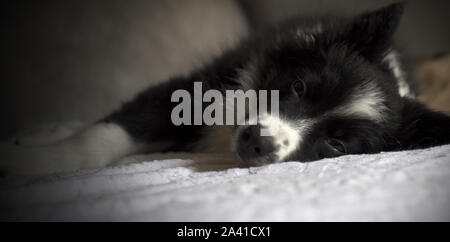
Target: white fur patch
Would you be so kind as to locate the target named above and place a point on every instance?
(307, 34)
(393, 61)
(367, 102)
(287, 136)
(101, 144)
(96, 146)
(308, 37)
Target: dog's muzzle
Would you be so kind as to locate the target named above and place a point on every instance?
(254, 149)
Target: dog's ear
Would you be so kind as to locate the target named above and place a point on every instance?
(420, 127)
(371, 33)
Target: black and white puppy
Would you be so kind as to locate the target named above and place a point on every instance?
(341, 86)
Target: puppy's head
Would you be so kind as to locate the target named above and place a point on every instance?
(341, 91)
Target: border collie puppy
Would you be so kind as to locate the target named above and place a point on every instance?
(341, 86)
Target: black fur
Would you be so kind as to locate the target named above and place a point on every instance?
(420, 127)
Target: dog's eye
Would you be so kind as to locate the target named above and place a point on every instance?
(337, 145)
(299, 88)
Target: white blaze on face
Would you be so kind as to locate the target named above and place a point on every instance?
(287, 136)
(367, 101)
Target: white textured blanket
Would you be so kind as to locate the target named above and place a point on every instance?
(409, 185)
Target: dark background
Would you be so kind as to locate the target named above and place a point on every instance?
(80, 59)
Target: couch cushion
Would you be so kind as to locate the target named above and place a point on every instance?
(81, 59)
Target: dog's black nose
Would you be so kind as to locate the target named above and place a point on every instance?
(252, 145)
